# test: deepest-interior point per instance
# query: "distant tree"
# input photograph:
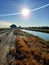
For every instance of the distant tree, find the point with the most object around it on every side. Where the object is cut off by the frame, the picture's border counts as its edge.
(19, 26)
(13, 26)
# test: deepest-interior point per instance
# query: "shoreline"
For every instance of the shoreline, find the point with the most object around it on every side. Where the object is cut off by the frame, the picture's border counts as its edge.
(44, 31)
(47, 41)
(37, 37)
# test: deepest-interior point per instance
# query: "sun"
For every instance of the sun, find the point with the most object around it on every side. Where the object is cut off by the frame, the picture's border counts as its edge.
(25, 12)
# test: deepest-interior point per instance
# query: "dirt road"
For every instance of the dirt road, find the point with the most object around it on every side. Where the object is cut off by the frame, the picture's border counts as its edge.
(8, 40)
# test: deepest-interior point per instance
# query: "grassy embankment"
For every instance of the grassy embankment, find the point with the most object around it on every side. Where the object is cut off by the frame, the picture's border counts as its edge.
(37, 37)
(28, 50)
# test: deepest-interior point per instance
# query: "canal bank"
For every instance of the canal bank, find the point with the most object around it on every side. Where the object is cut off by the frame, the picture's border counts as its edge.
(42, 35)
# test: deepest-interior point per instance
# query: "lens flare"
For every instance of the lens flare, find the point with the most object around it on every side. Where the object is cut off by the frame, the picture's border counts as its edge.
(25, 12)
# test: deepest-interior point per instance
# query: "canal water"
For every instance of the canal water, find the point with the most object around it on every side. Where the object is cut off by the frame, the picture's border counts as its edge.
(36, 33)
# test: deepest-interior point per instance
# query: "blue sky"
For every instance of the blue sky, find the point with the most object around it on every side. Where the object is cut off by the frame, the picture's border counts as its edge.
(36, 18)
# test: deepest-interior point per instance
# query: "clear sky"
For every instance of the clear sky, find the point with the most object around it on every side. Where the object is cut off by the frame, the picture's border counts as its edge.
(36, 18)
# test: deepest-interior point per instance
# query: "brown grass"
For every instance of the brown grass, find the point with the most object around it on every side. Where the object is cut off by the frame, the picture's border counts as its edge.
(33, 55)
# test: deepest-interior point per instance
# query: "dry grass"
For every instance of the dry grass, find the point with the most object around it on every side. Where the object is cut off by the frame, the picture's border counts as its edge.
(36, 54)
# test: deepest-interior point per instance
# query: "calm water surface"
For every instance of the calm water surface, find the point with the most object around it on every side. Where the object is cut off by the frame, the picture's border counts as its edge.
(40, 34)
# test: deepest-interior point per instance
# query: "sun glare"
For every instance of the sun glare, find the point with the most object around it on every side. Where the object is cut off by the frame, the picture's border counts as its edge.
(25, 12)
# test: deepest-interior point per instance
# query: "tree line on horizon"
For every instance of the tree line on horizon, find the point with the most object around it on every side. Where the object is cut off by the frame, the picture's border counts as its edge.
(42, 27)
